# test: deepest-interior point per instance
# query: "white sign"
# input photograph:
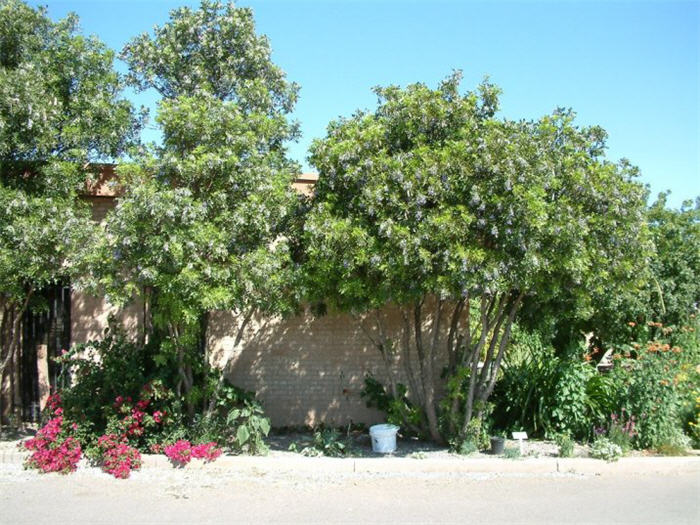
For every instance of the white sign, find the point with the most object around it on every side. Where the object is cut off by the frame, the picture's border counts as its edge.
(520, 436)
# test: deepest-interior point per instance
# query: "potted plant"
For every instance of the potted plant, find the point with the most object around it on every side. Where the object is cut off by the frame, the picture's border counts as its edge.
(498, 444)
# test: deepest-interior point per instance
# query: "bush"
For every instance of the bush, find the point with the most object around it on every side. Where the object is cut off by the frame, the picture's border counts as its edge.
(565, 444)
(400, 411)
(124, 389)
(107, 386)
(54, 448)
(544, 393)
(182, 452)
(657, 384)
(605, 449)
(326, 442)
(236, 421)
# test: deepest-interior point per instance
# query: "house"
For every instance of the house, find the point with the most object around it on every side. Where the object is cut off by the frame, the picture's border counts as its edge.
(305, 369)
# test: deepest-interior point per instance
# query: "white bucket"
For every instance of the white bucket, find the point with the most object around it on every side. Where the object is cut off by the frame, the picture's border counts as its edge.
(383, 438)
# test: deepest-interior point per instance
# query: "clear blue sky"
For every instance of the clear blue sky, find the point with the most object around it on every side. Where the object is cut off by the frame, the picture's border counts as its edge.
(629, 66)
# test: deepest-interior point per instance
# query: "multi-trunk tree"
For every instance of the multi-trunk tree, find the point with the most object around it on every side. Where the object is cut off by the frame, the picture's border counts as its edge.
(201, 224)
(435, 207)
(60, 112)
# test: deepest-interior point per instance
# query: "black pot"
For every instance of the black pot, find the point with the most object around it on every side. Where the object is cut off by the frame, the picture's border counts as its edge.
(498, 445)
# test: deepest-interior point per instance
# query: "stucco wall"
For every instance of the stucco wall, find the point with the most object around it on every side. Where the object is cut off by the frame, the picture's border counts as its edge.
(89, 317)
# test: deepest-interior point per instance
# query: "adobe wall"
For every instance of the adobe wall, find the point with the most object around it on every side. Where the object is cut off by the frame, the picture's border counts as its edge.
(89, 317)
(305, 370)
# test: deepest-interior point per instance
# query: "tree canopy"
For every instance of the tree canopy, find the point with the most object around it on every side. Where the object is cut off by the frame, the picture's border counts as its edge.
(432, 196)
(60, 110)
(201, 225)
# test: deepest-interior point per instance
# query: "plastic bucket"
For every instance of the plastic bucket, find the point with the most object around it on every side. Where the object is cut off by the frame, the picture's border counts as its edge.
(383, 438)
(498, 445)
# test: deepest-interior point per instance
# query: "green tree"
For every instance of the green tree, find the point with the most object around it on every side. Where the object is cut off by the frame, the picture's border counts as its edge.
(674, 292)
(434, 206)
(60, 111)
(201, 225)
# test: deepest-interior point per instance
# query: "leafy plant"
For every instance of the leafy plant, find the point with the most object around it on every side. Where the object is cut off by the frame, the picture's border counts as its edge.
(399, 410)
(545, 393)
(565, 444)
(603, 448)
(326, 442)
(251, 428)
(657, 381)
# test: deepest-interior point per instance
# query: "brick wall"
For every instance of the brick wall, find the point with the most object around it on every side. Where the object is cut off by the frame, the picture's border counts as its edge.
(306, 370)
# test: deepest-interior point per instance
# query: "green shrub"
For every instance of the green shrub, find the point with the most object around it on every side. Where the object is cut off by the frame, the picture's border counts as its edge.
(658, 385)
(544, 393)
(400, 411)
(235, 420)
(465, 448)
(105, 381)
(511, 453)
(326, 442)
(565, 444)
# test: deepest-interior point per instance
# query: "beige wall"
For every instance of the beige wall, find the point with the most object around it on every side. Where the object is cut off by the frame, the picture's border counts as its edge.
(304, 370)
(307, 370)
(89, 317)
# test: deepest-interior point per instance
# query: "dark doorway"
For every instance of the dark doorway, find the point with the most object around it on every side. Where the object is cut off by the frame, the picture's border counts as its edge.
(48, 324)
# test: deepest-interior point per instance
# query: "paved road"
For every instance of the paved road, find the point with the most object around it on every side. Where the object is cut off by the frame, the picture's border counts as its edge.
(171, 496)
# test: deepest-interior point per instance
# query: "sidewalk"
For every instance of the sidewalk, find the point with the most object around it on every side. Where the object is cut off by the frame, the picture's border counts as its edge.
(288, 462)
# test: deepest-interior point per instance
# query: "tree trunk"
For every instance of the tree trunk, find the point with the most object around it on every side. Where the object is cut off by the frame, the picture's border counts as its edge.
(427, 376)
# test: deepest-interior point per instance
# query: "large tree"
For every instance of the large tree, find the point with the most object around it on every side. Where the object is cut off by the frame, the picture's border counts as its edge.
(433, 206)
(60, 111)
(200, 224)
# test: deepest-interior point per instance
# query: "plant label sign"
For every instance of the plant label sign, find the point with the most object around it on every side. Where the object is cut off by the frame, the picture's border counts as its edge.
(520, 436)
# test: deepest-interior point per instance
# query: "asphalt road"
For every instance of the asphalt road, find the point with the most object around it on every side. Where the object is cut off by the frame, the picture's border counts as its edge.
(172, 496)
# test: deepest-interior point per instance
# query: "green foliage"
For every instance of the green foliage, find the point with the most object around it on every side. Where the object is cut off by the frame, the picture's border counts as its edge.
(399, 411)
(674, 291)
(511, 453)
(657, 382)
(431, 197)
(603, 448)
(475, 437)
(565, 444)
(465, 448)
(60, 110)
(97, 373)
(543, 393)
(251, 428)
(59, 100)
(238, 423)
(109, 377)
(204, 221)
(326, 442)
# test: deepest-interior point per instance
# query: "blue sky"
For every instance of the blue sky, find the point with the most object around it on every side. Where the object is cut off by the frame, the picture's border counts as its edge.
(630, 66)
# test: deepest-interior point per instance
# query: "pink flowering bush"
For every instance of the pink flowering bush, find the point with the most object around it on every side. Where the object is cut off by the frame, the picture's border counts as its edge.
(182, 451)
(53, 448)
(118, 458)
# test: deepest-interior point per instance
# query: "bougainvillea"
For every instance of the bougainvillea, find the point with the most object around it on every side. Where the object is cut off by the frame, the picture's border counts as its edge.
(118, 458)
(182, 451)
(53, 448)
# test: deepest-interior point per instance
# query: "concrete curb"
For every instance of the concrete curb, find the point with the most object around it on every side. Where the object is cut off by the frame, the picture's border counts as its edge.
(292, 463)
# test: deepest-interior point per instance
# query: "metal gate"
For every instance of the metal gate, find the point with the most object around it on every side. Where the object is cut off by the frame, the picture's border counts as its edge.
(49, 325)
